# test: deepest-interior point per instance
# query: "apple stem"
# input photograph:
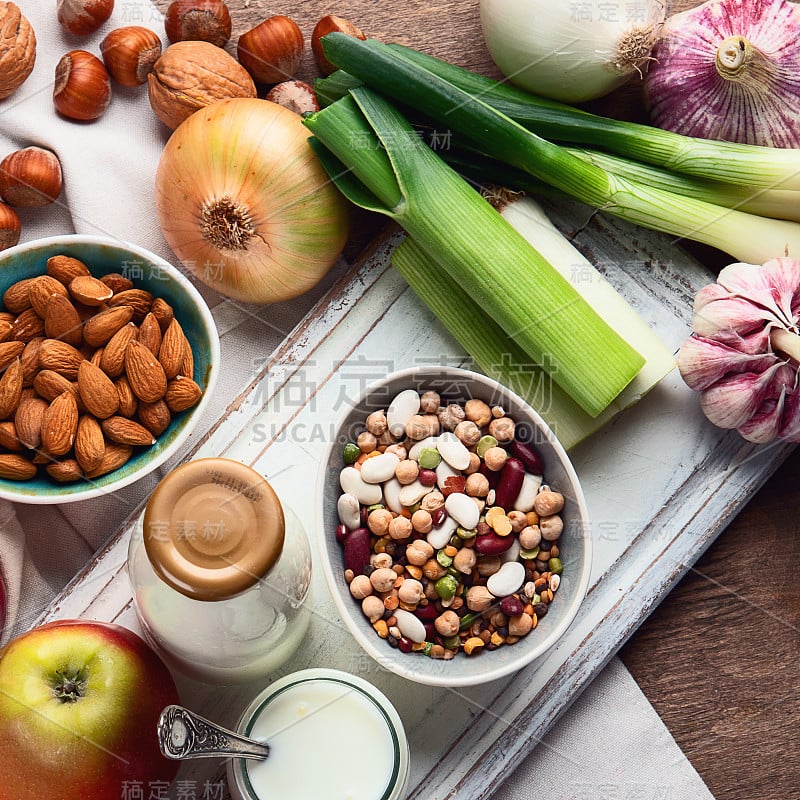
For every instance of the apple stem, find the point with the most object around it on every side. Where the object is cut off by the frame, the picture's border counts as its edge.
(70, 688)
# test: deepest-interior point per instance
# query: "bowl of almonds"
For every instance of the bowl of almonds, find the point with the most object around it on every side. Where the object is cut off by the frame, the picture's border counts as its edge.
(108, 356)
(453, 528)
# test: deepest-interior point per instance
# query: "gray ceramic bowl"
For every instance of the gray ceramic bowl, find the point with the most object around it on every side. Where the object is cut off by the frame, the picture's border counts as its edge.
(148, 271)
(575, 543)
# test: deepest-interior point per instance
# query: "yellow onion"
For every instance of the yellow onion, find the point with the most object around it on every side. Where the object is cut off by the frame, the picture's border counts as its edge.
(244, 203)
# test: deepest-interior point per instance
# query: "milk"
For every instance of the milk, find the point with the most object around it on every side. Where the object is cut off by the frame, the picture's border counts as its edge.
(332, 737)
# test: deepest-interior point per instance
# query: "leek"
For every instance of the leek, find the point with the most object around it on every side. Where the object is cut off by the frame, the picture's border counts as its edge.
(499, 356)
(747, 237)
(376, 159)
(746, 165)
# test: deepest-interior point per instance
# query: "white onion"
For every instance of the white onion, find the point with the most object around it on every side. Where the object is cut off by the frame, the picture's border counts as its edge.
(571, 52)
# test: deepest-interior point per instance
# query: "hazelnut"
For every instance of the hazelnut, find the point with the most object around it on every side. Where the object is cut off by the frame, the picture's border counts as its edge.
(130, 53)
(82, 89)
(30, 177)
(326, 25)
(271, 51)
(10, 227)
(297, 96)
(192, 75)
(198, 20)
(17, 49)
(82, 17)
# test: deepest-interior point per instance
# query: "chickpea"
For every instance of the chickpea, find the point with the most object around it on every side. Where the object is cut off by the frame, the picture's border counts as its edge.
(376, 423)
(398, 450)
(450, 416)
(378, 521)
(498, 411)
(474, 464)
(479, 598)
(488, 565)
(520, 625)
(498, 619)
(530, 537)
(433, 570)
(381, 561)
(367, 442)
(410, 592)
(361, 587)
(468, 432)
(548, 502)
(421, 426)
(386, 439)
(400, 529)
(477, 485)
(478, 412)
(421, 521)
(373, 608)
(495, 458)
(433, 501)
(382, 580)
(551, 527)
(502, 429)
(518, 519)
(464, 560)
(429, 402)
(406, 471)
(447, 623)
(418, 552)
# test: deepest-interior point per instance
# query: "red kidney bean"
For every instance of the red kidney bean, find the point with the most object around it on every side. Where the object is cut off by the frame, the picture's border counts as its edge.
(357, 550)
(490, 544)
(528, 456)
(427, 477)
(364, 516)
(439, 516)
(510, 483)
(342, 532)
(426, 613)
(491, 475)
(512, 606)
(405, 645)
(430, 632)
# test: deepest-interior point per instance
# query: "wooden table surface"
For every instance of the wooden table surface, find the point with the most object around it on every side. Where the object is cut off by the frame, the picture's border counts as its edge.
(720, 657)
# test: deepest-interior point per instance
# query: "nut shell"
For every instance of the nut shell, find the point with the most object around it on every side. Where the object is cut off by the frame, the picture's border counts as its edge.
(82, 89)
(271, 52)
(82, 17)
(130, 53)
(198, 20)
(17, 49)
(30, 177)
(331, 24)
(192, 75)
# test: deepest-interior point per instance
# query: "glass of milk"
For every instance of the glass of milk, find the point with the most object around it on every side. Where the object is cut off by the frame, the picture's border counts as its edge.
(331, 735)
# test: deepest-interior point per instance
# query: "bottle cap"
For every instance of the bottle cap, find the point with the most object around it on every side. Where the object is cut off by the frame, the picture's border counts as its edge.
(213, 528)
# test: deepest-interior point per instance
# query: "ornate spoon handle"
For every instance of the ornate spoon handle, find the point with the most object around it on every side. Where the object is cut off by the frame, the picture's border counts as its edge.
(183, 734)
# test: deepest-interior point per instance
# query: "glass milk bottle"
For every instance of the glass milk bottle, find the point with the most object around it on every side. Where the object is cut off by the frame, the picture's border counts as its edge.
(220, 572)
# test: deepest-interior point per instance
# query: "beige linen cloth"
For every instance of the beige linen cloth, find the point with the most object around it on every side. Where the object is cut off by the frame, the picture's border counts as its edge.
(610, 745)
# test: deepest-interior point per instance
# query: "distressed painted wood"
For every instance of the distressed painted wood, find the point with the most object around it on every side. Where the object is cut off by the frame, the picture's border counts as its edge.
(651, 516)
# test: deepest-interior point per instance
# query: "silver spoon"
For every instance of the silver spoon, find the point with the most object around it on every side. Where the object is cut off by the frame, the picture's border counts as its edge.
(184, 734)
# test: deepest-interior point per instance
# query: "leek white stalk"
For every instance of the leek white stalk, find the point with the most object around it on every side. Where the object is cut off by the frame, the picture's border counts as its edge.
(570, 51)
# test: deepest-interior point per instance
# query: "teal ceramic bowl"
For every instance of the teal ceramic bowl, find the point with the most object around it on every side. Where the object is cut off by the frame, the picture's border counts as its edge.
(147, 271)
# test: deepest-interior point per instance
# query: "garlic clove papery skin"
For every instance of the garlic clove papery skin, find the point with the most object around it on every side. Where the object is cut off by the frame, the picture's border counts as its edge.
(730, 315)
(765, 424)
(703, 362)
(570, 52)
(731, 402)
(729, 69)
(773, 286)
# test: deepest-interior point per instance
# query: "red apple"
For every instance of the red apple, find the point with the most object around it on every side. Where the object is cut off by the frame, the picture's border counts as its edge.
(79, 706)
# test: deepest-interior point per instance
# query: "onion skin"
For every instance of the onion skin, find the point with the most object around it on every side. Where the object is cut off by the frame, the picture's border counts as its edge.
(729, 70)
(251, 157)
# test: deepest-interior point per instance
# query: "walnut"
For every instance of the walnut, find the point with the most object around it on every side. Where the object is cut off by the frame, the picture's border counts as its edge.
(192, 75)
(17, 49)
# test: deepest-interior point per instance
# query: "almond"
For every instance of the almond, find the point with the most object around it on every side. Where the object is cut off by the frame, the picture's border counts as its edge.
(16, 468)
(117, 282)
(6, 329)
(30, 360)
(60, 357)
(8, 436)
(182, 393)
(66, 471)
(163, 312)
(60, 424)
(50, 384)
(172, 349)
(9, 351)
(28, 421)
(155, 417)
(127, 399)
(99, 329)
(10, 389)
(150, 333)
(137, 299)
(126, 431)
(97, 390)
(65, 269)
(89, 290)
(7, 316)
(90, 445)
(144, 372)
(17, 297)
(187, 366)
(61, 320)
(41, 289)
(28, 325)
(114, 457)
(113, 360)
(97, 357)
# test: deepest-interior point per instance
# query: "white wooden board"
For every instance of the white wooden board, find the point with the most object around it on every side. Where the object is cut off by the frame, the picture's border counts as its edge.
(660, 483)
